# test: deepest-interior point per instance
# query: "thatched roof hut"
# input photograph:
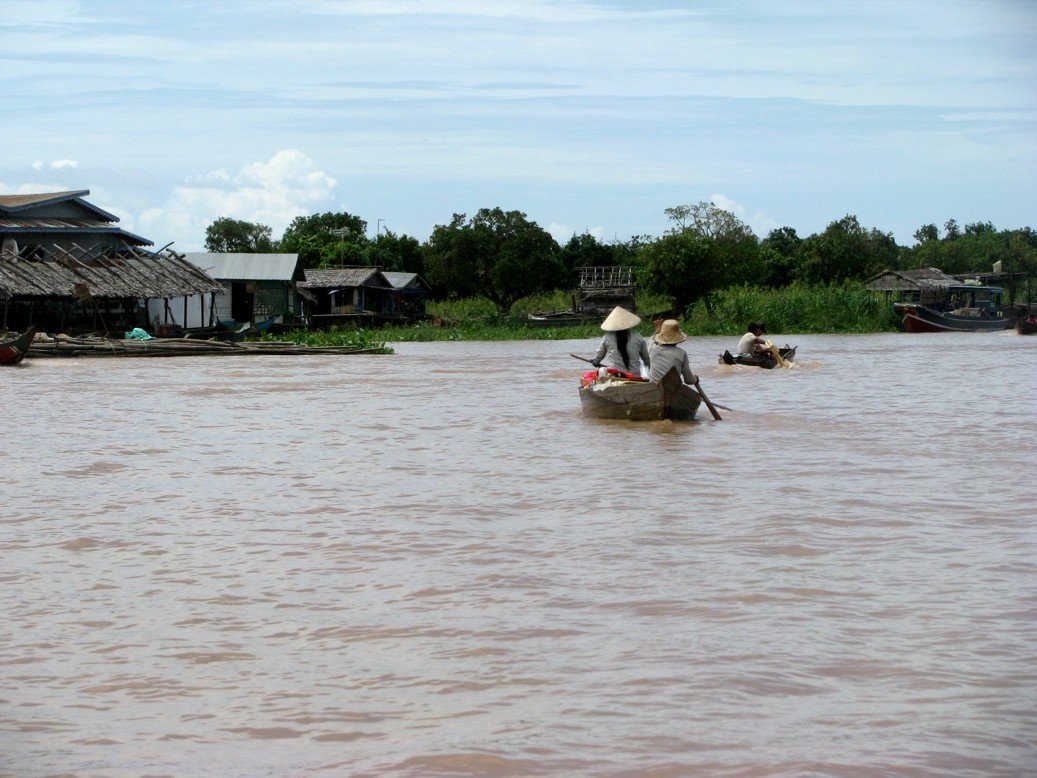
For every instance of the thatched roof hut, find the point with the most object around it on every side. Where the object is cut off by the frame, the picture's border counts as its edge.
(924, 285)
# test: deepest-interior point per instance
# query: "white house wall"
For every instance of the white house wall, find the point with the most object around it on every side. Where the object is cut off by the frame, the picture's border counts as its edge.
(197, 310)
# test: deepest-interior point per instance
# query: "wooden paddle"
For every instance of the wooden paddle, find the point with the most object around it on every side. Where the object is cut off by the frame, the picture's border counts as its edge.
(698, 388)
(712, 408)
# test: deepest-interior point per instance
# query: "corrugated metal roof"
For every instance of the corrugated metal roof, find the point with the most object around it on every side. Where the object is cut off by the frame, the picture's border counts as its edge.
(20, 201)
(54, 226)
(152, 276)
(403, 280)
(26, 202)
(319, 278)
(246, 267)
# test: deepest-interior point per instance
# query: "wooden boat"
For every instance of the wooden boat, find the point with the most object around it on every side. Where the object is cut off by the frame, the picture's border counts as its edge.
(13, 351)
(561, 319)
(1026, 325)
(614, 398)
(766, 361)
(970, 308)
(920, 318)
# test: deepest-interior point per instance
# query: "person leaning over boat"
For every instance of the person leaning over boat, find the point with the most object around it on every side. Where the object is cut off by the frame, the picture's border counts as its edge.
(667, 354)
(751, 342)
(621, 346)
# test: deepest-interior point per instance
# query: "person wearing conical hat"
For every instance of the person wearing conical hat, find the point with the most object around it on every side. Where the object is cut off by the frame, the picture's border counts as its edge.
(622, 347)
(666, 353)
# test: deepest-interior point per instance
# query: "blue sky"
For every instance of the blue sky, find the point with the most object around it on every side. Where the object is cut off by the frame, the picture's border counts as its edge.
(587, 116)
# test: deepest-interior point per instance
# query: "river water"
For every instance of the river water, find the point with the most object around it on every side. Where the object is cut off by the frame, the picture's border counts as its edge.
(431, 564)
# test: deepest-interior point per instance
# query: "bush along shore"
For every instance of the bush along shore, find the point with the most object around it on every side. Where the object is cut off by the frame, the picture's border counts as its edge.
(799, 308)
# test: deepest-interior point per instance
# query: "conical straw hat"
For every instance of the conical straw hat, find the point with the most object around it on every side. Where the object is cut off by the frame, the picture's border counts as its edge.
(620, 319)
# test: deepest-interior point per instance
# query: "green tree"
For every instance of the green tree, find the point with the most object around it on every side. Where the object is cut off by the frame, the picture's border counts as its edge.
(498, 254)
(390, 251)
(779, 257)
(327, 239)
(846, 250)
(583, 251)
(226, 235)
(927, 233)
(708, 249)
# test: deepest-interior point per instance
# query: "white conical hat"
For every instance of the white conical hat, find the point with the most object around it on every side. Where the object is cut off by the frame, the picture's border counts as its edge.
(620, 319)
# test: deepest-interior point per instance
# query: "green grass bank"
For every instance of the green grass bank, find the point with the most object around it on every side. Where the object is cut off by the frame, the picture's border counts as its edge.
(836, 308)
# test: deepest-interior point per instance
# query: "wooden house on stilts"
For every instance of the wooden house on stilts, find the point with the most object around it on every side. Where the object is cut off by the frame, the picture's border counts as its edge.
(65, 266)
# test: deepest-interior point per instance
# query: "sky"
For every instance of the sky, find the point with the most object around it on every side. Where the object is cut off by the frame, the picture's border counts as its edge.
(588, 116)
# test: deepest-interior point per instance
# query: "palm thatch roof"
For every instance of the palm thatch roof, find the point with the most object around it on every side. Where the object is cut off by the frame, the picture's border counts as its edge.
(135, 273)
(926, 279)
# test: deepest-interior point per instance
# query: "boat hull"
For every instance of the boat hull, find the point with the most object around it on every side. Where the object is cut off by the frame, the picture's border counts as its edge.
(641, 400)
(767, 362)
(919, 318)
(1026, 326)
(13, 351)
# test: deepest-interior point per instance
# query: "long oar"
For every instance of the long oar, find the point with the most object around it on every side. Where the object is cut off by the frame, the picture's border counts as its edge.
(698, 387)
(712, 408)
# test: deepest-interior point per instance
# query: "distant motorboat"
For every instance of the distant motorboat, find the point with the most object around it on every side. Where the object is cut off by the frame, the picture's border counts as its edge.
(971, 308)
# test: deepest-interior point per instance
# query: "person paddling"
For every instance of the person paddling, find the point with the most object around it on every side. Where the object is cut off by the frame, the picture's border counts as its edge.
(667, 354)
(622, 347)
(752, 342)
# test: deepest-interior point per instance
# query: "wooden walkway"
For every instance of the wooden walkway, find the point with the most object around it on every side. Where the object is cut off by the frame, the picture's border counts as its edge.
(65, 346)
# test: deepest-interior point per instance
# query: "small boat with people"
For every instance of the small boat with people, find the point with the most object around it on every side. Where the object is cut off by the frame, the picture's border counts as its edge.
(1026, 324)
(970, 307)
(766, 359)
(618, 390)
(13, 351)
(624, 396)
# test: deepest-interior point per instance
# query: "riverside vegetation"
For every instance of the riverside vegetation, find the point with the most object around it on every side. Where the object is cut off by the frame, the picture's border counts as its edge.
(798, 308)
(487, 272)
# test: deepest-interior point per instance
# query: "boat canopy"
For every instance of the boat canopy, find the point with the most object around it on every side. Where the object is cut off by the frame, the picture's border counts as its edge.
(983, 298)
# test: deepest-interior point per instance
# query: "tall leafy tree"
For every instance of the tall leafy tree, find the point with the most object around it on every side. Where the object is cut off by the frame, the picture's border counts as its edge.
(327, 239)
(779, 255)
(846, 250)
(707, 249)
(226, 235)
(584, 251)
(390, 251)
(498, 254)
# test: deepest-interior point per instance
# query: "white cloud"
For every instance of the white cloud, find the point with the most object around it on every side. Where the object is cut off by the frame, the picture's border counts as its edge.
(37, 188)
(270, 193)
(760, 223)
(57, 164)
(562, 233)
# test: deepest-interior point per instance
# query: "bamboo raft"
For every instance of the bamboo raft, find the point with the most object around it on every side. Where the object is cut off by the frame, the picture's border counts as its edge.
(66, 346)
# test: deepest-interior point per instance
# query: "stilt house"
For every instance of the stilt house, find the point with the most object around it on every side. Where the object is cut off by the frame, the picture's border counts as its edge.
(65, 266)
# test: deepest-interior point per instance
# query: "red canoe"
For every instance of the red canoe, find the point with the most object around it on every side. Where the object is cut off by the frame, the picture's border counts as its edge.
(13, 351)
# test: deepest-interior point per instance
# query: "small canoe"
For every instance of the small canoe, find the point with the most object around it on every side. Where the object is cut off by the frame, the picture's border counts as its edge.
(614, 398)
(13, 351)
(1026, 325)
(766, 361)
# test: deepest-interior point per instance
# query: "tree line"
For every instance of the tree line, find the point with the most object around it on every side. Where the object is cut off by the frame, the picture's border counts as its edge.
(504, 257)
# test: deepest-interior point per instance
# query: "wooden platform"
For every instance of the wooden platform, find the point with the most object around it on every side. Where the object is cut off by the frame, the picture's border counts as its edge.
(65, 346)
